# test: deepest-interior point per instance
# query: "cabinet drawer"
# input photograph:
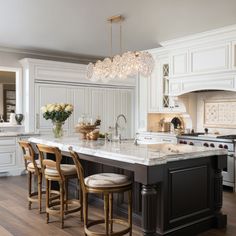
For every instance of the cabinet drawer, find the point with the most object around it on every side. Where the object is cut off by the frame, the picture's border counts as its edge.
(7, 157)
(7, 141)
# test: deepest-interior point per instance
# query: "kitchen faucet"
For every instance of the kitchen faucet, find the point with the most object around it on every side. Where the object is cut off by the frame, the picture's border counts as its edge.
(117, 125)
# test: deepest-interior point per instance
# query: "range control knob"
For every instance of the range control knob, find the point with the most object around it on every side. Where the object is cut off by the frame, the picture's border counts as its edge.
(212, 145)
(184, 142)
(226, 147)
(206, 145)
(220, 146)
(181, 142)
(191, 143)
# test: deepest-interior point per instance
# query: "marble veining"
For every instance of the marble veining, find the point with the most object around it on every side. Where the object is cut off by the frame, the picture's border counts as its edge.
(154, 154)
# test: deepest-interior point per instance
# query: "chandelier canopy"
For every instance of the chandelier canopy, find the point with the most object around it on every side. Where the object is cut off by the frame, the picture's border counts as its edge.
(121, 66)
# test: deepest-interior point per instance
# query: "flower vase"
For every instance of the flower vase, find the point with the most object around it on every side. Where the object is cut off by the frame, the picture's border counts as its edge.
(57, 129)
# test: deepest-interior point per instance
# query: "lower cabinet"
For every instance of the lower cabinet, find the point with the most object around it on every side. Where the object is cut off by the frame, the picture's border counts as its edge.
(155, 138)
(11, 160)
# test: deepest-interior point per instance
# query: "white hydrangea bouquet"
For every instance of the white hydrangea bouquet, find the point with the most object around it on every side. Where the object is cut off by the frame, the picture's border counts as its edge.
(58, 113)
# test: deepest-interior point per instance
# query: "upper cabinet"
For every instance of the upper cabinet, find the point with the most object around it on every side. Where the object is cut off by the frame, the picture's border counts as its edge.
(179, 63)
(198, 60)
(202, 61)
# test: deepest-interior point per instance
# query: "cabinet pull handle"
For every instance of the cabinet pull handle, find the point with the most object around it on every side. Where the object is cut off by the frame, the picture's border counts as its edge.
(37, 121)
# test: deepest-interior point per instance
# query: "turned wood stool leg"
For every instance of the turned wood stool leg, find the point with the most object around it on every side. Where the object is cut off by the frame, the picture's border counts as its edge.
(62, 192)
(40, 192)
(29, 188)
(66, 192)
(80, 194)
(111, 211)
(85, 210)
(106, 212)
(130, 202)
(47, 199)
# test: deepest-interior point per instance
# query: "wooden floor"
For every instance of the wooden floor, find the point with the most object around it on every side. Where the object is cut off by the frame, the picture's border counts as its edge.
(17, 220)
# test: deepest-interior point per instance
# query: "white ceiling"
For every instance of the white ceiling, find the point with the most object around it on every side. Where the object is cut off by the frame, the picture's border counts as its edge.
(80, 26)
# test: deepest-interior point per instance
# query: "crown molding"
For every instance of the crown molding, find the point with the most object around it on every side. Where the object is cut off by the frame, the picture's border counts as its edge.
(53, 55)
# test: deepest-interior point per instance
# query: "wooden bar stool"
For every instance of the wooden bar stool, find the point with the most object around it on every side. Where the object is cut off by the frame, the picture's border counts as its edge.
(106, 184)
(34, 168)
(55, 171)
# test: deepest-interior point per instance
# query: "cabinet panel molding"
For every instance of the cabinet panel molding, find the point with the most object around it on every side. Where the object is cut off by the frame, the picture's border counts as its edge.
(210, 59)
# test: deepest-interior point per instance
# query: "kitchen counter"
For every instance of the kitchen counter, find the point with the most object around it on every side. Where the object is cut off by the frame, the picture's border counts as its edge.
(177, 188)
(15, 134)
(126, 151)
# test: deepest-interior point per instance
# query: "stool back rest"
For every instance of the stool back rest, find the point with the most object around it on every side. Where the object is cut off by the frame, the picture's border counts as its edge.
(79, 168)
(47, 163)
(28, 154)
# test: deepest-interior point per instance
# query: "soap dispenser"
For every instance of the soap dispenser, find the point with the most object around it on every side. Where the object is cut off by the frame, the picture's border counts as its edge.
(12, 119)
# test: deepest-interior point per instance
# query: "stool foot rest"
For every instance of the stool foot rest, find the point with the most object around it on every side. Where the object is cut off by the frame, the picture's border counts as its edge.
(111, 221)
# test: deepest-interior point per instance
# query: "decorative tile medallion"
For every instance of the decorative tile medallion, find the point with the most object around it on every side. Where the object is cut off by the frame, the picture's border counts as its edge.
(220, 113)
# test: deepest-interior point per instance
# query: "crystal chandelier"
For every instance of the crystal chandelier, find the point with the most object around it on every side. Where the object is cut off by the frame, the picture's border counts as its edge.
(121, 66)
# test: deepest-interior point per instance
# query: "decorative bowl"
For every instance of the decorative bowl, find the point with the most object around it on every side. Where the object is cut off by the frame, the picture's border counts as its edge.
(84, 129)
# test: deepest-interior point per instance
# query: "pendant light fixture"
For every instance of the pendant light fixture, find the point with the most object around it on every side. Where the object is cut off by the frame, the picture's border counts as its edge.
(120, 66)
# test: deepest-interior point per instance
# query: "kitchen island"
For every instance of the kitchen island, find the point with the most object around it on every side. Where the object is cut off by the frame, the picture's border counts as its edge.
(177, 188)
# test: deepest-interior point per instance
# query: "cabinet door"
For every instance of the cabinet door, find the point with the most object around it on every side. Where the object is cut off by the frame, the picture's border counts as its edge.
(142, 103)
(49, 93)
(210, 59)
(179, 63)
(154, 89)
(79, 98)
(7, 158)
(127, 109)
(97, 106)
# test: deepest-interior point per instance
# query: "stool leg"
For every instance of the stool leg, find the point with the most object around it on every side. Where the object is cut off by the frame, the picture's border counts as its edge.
(29, 188)
(62, 192)
(40, 192)
(130, 202)
(47, 199)
(66, 192)
(106, 212)
(85, 209)
(81, 202)
(111, 211)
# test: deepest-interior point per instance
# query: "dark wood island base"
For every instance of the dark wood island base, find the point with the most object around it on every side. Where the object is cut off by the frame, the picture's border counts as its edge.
(182, 197)
(177, 195)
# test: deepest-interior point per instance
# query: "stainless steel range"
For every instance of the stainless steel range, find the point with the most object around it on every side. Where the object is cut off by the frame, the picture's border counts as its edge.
(214, 141)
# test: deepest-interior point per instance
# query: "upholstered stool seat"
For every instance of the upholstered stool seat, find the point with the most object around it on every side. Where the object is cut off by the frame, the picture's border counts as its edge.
(106, 180)
(30, 166)
(65, 169)
(105, 184)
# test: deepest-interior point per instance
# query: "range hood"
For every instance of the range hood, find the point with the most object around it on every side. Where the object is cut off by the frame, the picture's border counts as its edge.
(219, 81)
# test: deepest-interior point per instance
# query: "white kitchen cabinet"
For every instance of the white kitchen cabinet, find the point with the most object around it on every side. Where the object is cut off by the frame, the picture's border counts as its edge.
(154, 85)
(155, 138)
(79, 98)
(208, 59)
(103, 102)
(108, 103)
(179, 63)
(10, 156)
(45, 94)
(142, 103)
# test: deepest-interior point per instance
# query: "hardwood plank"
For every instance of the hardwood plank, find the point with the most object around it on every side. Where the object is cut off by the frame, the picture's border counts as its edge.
(17, 220)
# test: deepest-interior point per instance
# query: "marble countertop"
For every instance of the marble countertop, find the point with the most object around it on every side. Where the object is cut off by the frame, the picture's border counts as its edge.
(157, 133)
(15, 134)
(154, 154)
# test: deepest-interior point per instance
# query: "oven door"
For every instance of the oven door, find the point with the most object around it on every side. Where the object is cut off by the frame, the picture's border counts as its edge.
(228, 172)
